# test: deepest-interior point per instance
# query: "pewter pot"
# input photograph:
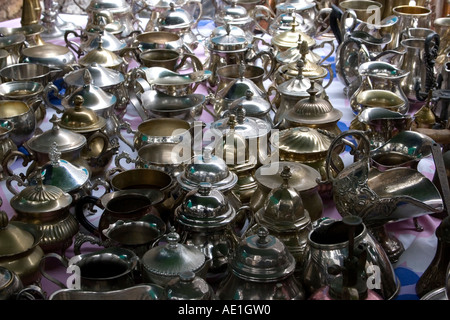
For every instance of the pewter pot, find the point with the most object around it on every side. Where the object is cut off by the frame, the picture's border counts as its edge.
(46, 207)
(208, 222)
(328, 245)
(261, 268)
(29, 92)
(169, 258)
(102, 270)
(23, 253)
(126, 205)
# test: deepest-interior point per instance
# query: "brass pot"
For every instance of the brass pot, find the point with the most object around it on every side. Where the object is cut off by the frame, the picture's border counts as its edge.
(261, 268)
(99, 150)
(29, 92)
(50, 55)
(146, 179)
(165, 261)
(303, 180)
(6, 145)
(69, 143)
(20, 251)
(23, 117)
(47, 207)
(167, 130)
(166, 157)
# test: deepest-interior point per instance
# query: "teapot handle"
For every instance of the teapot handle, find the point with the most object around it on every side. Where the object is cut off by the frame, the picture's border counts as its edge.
(323, 44)
(196, 63)
(50, 88)
(323, 21)
(266, 14)
(249, 222)
(198, 4)
(74, 46)
(360, 151)
(126, 156)
(81, 238)
(44, 273)
(96, 135)
(9, 156)
(19, 180)
(81, 217)
(330, 73)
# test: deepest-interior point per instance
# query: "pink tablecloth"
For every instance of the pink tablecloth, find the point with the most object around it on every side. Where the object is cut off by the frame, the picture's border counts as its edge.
(420, 247)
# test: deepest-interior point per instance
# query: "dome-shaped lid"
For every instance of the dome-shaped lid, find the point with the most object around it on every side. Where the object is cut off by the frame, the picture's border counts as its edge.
(299, 84)
(80, 118)
(233, 14)
(62, 173)
(163, 4)
(99, 76)
(175, 18)
(114, 6)
(262, 258)
(228, 42)
(234, 31)
(207, 168)
(11, 40)
(101, 56)
(13, 238)
(205, 208)
(66, 140)
(94, 97)
(291, 37)
(188, 286)
(173, 258)
(41, 198)
(109, 41)
(283, 209)
(298, 5)
(303, 177)
(247, 127)
(254, 106)
(313, 110)
(302, 140)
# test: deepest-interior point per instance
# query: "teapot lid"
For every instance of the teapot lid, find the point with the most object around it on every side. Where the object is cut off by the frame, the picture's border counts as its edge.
(173, 258)
(205, 208)
(255, 106)
(101, 56)
(94, 97)
(61, 173)
(14, 239)
(290, 38)
(228, 42)
(303, 177)
(283, 209)
(40, 198)
(263, 258)
(66, 140)
(81, 119)
(233, 14)
(298, 5)
(188, 286)
(313, 110)
(207, 167)
(247, 127)
(303, 140)
(113, 6)
(175, 18)
(11, 40)
(299, 84)
(100, 76)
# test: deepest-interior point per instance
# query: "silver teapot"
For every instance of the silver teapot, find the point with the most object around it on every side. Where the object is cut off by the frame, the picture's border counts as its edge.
(261, 268)
(207, 221)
